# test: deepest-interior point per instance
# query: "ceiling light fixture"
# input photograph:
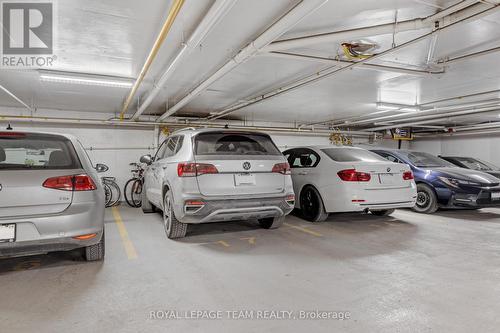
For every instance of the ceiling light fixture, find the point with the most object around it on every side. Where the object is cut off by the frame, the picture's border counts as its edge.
(86, 79)
(397, 107)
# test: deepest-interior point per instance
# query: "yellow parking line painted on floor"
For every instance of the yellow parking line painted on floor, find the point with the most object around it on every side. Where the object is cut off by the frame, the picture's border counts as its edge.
(251, 240)
(127, 243)
(307, 231)
(223, 243)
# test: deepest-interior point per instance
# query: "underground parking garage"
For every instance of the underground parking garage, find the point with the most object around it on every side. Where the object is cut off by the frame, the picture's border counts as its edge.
(237, 165)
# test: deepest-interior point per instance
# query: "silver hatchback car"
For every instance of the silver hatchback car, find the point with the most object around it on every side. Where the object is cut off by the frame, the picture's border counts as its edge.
(51, 198)
(207, 175)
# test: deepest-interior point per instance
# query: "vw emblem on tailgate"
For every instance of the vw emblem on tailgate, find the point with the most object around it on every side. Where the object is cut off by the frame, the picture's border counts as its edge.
(247, 165)
(388, 169)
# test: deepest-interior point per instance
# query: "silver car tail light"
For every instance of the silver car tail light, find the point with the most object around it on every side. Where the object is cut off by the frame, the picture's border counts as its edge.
(195, 169)
(75, 183)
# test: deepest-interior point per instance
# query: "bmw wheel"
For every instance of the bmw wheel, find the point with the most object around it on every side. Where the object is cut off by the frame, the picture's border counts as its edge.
(426, 200)
(173, 228)
(311, 205)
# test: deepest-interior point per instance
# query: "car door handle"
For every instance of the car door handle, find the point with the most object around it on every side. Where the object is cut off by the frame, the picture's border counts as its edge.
(303, 173)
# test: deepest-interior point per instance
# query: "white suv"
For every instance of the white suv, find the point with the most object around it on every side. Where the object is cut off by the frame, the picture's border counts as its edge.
(208, 175)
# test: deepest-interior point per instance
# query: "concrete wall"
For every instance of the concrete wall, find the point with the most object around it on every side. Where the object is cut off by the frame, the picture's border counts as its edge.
(485, 147)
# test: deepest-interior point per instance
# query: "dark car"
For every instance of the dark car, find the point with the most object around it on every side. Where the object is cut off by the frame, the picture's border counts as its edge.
(441, 184)
(474, 164)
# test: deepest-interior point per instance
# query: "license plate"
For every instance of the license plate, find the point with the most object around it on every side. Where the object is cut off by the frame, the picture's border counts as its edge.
(244, 179)
(387, 178)
(495, 196)
(7, 233)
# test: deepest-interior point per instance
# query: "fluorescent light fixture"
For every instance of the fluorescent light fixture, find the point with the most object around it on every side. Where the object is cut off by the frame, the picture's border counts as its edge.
(397, 107)
(86, 79)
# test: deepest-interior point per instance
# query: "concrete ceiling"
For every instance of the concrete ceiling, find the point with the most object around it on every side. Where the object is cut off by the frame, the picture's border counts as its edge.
(113, 37)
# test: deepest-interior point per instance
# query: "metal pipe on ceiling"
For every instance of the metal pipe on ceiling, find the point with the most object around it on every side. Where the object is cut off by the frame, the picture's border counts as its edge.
(218, 10)
(333, 70)
(152, 124)
(285, 23)
(464, 133)
(418, 114)
(462, 9)
(174, 11)
(435, 118)
(17, 99)
(360, 119)
(468, 56)
(384, 68)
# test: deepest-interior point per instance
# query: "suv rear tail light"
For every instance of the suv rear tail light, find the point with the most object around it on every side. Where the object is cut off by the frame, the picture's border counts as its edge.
(408, 175)
(70, 183)
(195, 169)
(283, 168)
(351, 175)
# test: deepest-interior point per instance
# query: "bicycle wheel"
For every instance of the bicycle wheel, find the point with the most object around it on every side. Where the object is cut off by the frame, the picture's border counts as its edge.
(108, 195)
(132, 192)
(116, 193)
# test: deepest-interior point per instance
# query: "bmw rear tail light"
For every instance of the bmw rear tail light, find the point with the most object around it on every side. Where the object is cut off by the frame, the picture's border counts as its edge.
(408, 175)
(70, 183)
(195, 169)
(351, 175)
(283, 168)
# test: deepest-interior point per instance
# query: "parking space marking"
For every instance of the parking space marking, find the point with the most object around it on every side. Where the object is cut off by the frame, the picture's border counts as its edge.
(307, 231)
(251, 240)
(127, 243)
(223, 243)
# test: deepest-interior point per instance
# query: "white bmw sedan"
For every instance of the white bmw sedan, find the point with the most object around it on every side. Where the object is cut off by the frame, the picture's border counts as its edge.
(331, 179)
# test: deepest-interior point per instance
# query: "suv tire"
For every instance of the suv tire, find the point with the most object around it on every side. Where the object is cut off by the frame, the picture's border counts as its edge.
(173, 227)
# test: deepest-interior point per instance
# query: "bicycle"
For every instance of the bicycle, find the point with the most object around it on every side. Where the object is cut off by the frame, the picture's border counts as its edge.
(133, 187)
(112, 191)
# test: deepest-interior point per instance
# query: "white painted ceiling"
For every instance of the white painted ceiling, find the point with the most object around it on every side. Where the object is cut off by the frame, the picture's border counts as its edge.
(113, 37)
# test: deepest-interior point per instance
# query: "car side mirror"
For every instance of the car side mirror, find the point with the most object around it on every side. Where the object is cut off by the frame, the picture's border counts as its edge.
(146, 159)
(101, 168)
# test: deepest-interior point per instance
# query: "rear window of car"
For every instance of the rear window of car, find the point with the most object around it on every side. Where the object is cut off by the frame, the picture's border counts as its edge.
(20, 151)
(426, 160)
(352, 155)
(223, 143)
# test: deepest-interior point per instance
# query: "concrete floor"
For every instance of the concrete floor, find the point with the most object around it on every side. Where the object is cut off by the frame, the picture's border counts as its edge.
(403, 273)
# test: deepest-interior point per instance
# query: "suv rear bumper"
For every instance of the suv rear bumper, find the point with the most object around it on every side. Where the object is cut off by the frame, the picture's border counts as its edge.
(235, 209)
(48, 233)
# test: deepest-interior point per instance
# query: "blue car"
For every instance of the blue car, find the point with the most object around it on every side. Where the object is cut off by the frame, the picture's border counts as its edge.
(441, 184)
